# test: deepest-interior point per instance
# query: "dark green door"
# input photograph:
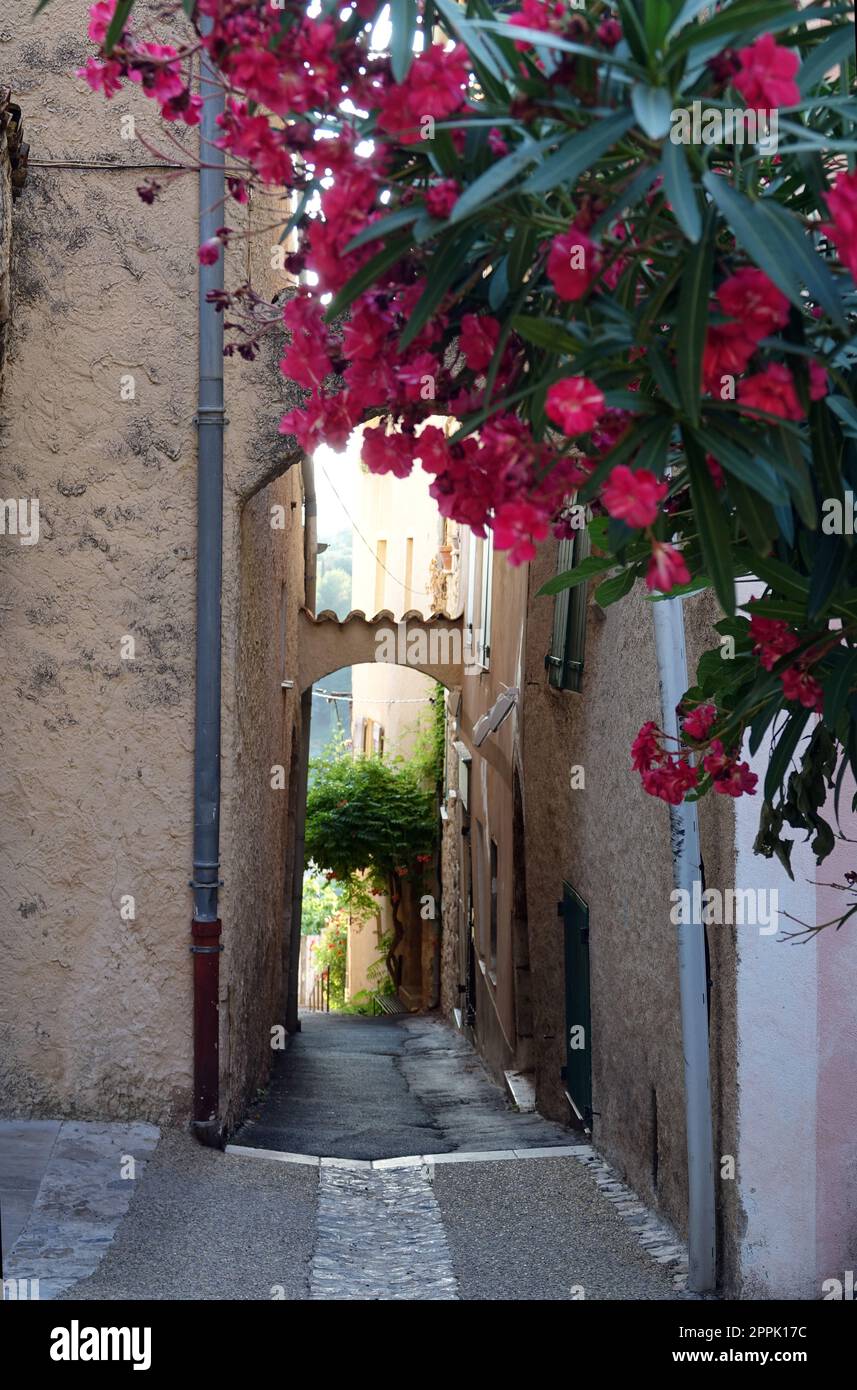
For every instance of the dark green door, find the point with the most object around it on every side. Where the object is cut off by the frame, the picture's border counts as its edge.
(578, 1032)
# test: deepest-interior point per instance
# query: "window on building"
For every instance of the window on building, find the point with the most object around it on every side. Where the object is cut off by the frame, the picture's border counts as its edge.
(492, 951)
(564, 661)
(477, 612)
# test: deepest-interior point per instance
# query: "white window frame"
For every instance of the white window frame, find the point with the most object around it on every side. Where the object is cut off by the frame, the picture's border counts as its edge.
(480, 577)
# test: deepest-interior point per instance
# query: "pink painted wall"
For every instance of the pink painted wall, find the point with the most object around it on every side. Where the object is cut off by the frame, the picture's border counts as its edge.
(836, 1166)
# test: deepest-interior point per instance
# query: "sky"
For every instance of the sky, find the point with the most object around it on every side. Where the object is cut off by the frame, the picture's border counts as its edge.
(336, 473)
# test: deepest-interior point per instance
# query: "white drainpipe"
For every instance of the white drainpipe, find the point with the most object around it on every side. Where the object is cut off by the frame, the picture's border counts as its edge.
(693, 979)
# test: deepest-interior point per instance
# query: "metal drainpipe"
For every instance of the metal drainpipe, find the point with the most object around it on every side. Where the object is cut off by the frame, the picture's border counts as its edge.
(693, 977)
(206, 927)
(300, 792)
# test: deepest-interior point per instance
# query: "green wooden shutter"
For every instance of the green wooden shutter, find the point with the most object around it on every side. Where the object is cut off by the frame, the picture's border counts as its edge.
(578, 1018)
(564, 661)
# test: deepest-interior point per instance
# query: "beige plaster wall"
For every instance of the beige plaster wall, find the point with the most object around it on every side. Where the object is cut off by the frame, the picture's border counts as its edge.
(491, 813)
(393, 510)
(611, 842)
(95, 1013)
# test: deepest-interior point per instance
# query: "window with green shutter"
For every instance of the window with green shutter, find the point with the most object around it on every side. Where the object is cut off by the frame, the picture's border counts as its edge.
(564, 661)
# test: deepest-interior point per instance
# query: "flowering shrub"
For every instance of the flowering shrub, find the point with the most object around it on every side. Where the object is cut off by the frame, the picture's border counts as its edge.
(331, 954)
(369, 823)
(616, 246)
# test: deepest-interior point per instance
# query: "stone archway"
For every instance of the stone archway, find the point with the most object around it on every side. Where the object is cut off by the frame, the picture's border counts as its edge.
(433, 646)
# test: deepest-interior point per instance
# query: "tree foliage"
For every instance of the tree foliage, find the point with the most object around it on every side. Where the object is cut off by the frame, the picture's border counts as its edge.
(604, 301)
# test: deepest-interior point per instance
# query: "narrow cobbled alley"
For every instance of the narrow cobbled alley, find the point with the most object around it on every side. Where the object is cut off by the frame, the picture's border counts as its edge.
(383, 1163)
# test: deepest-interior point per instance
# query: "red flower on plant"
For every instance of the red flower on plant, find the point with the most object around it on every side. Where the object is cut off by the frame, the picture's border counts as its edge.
(772, 639)
(697, 724)
(634, 498)
(575, 404)
(804, 689)
(842, 229)
(478, 339)
(728, 776)
(766, 76)
(755, 302)
(667, 568)
(609, 32)
(209, 251)
(517, 526)
(670, 780)
(574, 261)
(772, 391)
(442, 197)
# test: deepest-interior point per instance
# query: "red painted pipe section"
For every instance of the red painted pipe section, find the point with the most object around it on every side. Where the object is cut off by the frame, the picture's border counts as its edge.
(206, 951)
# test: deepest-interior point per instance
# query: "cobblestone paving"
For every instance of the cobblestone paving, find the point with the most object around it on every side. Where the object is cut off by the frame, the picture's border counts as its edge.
(83, 1196)
(380, 1236)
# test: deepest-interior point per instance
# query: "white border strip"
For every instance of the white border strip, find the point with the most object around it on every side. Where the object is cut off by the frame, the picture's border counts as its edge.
(410, 1160)
(658, 1240)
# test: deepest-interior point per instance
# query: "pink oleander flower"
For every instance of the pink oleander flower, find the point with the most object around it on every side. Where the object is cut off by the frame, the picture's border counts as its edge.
(715, 471)
(478, 339)
(772, 391)
(442, 197)
(819, 382)
(187, 107)
(697, 724)
(306, 362)
(434, 87)
(804, 689)
(102, 77)
(766, 77)
(209, 251)
(387, 453)
(548, 16)
(671, 780)
(728, 776)
(100, 16)
(575, 404)
(609, 32)
(517, 526)
(842, 229)
(726, 354)
(667, 568)
(772, 639)
(646, 748)
(574, 262)
(634, 498)
(755, 302)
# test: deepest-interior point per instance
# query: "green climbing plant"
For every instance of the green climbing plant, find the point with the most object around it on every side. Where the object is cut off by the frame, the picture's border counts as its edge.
(369, 825)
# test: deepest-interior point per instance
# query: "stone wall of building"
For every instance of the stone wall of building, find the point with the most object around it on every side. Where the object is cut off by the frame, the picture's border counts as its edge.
(611, 843)
(97, 773)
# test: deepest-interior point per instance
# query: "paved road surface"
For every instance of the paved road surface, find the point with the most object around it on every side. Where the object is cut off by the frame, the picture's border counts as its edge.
(205, 1225)
(351, 1087)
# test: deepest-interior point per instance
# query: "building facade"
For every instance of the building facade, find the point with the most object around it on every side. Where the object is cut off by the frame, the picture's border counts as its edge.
(560, 948)
(97, 623)
(395, 549)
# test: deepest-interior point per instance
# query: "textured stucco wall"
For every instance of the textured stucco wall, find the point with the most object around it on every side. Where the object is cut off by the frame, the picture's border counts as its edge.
(256, 899)
(611, 843)
(95, 1012)
(5, 244)
(491, 809)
